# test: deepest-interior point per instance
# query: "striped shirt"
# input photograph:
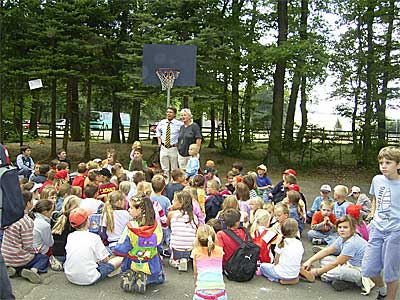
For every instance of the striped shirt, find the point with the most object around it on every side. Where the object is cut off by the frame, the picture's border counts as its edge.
(183, 234)
(17, 248)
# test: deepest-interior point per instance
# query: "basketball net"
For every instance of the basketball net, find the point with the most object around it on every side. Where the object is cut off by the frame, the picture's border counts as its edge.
(167, 77)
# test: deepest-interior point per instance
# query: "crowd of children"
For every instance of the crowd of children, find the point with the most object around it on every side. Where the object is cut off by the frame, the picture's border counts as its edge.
(105, 220)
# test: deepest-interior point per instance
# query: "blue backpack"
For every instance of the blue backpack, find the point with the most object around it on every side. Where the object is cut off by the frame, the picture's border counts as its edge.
(12, 203)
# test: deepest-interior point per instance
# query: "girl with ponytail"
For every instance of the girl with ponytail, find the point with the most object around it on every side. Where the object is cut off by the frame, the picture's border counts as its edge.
(207, 266)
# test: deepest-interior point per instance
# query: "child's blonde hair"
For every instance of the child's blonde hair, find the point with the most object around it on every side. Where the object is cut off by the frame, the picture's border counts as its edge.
(282, 208)
(230, 202)
(269, 206)
(69, 204)
(109, 207)
(137, 145)
(261, 218)
(257, 202)
(49, 192)
(294, 198)
(193, 191)
(205, 237)
(195, 147)
(125, 187)
(213, 184)
(145, 188)
(289, 229)
(390, 153)
(326, 203)
(341, 190)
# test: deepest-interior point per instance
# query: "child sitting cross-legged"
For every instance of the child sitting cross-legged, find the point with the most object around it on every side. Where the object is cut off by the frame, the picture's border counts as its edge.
(289, 253)
(323, 229)
(139, 245)
(88, 259)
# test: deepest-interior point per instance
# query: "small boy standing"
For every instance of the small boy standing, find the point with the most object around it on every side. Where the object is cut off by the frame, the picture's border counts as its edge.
(383, 245)
(193, 165)
(323, 230)
(339, 194)
(87, 258)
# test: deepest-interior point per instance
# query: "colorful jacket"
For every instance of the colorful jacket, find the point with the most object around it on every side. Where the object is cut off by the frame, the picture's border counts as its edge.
(139, 246)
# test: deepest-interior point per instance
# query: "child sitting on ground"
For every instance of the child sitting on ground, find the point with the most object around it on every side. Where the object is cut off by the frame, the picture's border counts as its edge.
(213, 201)
(18, 250)
(229, 181)
(243, 195)
(138, 245)
(178, 178)
(87, 259)
(362, 200)
(323, 228)
(278, 193)
(281, 213)
(193, 165)
(231, 202)
(105, 186)
(324, 194)
(361, 228)
(289, 254)
(264, 183)
(249, 181)
(183, 226)
(340, 194)
(263, 237)
(198, 182)
(79, 180)
(207, 266)
(296, 208)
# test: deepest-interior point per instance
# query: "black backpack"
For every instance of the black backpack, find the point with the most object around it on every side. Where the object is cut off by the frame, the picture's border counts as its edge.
(242, 265)
(12, 203)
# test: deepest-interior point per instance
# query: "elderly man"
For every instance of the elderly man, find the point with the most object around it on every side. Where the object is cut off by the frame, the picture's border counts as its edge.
(167, 134)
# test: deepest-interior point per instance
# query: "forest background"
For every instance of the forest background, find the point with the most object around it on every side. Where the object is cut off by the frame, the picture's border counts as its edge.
(257, 62)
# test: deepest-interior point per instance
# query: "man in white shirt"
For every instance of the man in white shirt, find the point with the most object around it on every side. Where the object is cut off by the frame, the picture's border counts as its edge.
(167, 134)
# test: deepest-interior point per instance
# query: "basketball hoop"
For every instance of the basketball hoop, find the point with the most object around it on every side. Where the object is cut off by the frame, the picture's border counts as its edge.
(167, 77)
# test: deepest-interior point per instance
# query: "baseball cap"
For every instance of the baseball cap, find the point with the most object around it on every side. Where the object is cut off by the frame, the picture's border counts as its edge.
(294, 187)
(290, 172)
(62, 174)
(210, 163)
(79, 215)
(97, 160)
(262, 167)
(326, 188)
(105, 172)
(209, 170)
(354, 210)
(354, 189)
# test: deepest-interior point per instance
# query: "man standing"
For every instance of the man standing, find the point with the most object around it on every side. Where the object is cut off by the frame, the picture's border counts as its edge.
(167, 134)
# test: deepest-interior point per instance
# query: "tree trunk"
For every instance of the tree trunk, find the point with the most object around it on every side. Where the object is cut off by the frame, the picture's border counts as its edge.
(275, 142)
(303, 108)
(115, 136)
(212, 119)
(75, 123)
(134, 124)
(68, 116)
(370, 83)
(87, 119)
(185, 101)
(226, 127)
(291, 109)
(33, 129)
(53, 149)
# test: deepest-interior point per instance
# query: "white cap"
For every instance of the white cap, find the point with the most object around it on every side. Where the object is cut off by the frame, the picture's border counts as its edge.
(354, 189)
(97, 160)
(326, 188)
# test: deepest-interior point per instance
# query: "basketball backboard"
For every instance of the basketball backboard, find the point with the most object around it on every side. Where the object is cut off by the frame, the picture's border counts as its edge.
(181, 57)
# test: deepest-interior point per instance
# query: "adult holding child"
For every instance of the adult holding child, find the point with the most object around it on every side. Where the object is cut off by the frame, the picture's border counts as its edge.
(167, 132)
(189, 134)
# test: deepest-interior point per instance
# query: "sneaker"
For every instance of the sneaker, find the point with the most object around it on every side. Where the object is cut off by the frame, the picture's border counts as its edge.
(174, 263)
(316, 249)
(307, 275)
(115, 272)
(381, 296)
(11, 272)
(183, 265)
(166, 253)
(141, 282)
(316, 241)
(341, 285)
(55, 264)
(32, 275)
(128, 281)
(289, 282)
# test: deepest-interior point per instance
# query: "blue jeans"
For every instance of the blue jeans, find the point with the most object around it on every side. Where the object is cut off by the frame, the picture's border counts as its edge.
(104, 269)
(268, 270)
(39, 262)
(5, 290)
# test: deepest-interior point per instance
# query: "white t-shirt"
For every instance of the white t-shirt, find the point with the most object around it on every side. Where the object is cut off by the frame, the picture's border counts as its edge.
(289, 258)
(121, 218)
(84, 249)
(91, 204)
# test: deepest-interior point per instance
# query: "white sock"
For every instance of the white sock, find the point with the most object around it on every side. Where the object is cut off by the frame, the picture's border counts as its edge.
(383, 290)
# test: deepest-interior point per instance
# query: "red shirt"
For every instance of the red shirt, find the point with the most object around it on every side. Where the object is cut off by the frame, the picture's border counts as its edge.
(318, 218)
(106, 188)
(228, 244)
(79, 181)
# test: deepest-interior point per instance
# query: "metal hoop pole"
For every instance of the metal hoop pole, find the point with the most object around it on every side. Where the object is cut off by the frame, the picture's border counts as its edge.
(168, 96)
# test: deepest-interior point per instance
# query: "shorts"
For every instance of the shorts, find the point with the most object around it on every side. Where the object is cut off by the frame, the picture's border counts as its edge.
(209, 294)
(104, 269)
(177, 254)
(382, 253)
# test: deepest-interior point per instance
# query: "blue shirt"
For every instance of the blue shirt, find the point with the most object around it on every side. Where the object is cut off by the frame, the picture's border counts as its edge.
(192, 167)
(164, 202)
(387, 199)
(340, 209)
(162, 129)
(263, 181)
(353, 247)
(317, 203)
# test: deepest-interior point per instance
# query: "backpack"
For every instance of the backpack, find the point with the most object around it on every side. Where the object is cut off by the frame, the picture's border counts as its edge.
(12, 203)
(242, 265)
(264, 241)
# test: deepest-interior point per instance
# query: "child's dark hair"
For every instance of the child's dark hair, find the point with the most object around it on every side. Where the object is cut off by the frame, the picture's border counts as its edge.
(137, 164)
(289, 229)
(198, 180)
(146, 206)
(294, 198)
(242, 191)
(185, 198)
(43, 169)
(51, 174)
(41, 206)
(23, 148)
(231, 216)
(65, 190)
(216, 224)
(176, 173)
(27, 197)
(138, 177)
(158, 183)
(206, 238)
(53, 163)
(62, 166)
(249, 181)
(237, 165)
(290, 179)
(82, 168)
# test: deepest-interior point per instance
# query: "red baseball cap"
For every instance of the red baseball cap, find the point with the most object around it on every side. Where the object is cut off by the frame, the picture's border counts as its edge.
(290, 172)
(61, 174)
(294, 187)
(79, 215)
(354, 211)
